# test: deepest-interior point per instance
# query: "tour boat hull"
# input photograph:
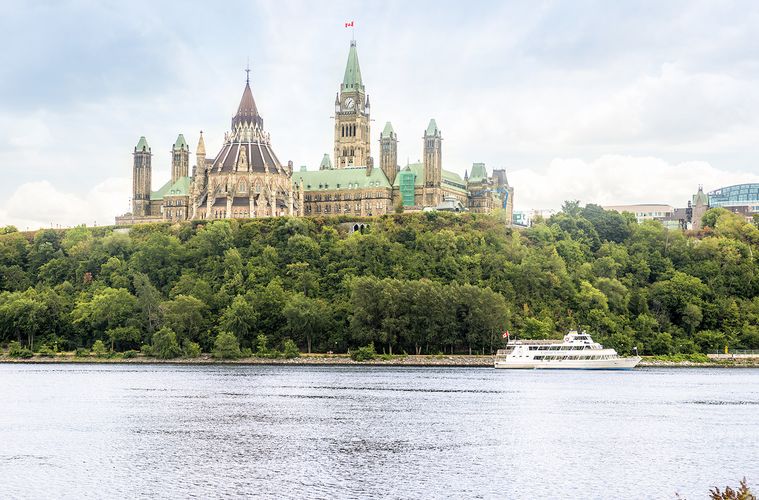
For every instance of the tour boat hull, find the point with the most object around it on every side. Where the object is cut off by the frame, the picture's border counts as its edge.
(570, 364)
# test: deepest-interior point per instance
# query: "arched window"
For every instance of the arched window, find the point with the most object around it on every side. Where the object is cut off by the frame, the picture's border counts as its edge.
(242, 187)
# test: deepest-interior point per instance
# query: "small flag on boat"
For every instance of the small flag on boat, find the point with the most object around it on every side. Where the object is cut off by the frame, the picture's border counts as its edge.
(349, 24)
(505, 334)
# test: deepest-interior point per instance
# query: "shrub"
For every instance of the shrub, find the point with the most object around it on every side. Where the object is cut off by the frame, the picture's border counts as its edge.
(99, 349)
(191, 349)
(226, 346)
(247, 352)
(46, 351)
(741, 493)
(262, 351)
(165, 345)
(81, 352)
(146, 350)
(131, 353)
(16, 350)
(365, 353)
(290, 350)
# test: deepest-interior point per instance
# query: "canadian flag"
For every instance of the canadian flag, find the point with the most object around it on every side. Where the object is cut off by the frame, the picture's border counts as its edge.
(349, 24)
(505, 334)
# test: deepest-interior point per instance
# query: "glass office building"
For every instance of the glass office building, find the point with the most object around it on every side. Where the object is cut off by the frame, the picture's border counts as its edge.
(741, 198)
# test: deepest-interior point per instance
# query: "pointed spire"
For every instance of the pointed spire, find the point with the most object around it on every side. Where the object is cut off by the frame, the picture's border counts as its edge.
(180, 143)
(142, 145)
(201, 151)
(352, 78)
(432, 129)
(326, 163)
(247, 110)
(387, 132)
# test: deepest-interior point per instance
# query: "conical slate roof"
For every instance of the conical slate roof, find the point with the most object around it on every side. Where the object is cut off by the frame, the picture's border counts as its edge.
(247, 110)
(247, 147)
(352, 78)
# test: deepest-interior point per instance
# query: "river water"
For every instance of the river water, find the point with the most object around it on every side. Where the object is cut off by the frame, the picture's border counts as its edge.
(160, 431)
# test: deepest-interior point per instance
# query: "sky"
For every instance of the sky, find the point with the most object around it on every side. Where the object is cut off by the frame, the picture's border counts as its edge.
(603, 102)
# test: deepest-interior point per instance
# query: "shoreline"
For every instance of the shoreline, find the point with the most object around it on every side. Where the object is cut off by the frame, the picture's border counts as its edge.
(456, 360)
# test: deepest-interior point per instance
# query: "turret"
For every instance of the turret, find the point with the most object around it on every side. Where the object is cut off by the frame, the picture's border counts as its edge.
(180, 159)
(432, 154)
(389, 152)
(141, 179)
(326, 163)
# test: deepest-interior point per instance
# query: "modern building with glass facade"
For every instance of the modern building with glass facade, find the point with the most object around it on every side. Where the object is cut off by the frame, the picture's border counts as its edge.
(742, 198)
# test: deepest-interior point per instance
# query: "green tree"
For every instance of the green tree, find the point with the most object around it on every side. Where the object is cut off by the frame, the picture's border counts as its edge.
(226, 346)
(307, 318)
(108, 308)
(240, 319)
(184, 315)
(124, 336)
(165, 345)
(99, 349)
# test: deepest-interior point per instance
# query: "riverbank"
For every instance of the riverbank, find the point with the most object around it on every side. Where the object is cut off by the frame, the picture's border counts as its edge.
(304, 359)
(459, 360)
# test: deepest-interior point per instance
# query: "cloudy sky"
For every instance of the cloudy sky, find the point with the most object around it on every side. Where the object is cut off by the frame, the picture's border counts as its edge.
(605, 102)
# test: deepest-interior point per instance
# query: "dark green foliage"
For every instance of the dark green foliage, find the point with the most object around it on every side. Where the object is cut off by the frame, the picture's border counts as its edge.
(15, 350)
(165, 345)
(365, 353)
(417, 283)
(190, 349)
(226, 346)
(289, 349)
(46, 351)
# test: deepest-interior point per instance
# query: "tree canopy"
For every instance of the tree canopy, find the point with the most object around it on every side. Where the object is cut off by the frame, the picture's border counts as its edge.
(416, 283)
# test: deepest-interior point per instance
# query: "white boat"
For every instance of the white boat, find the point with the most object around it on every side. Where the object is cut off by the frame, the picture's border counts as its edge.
(577, 351)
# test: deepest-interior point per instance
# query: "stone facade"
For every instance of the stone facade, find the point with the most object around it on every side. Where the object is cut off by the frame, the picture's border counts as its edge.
(246, 179)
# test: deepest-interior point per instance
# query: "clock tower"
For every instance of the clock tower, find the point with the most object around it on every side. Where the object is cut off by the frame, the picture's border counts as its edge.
(352, 117)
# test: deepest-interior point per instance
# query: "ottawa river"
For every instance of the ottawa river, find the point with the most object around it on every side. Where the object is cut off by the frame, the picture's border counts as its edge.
(160, 431)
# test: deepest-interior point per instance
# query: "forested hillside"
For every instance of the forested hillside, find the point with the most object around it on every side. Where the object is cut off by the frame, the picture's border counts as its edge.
(423, 283)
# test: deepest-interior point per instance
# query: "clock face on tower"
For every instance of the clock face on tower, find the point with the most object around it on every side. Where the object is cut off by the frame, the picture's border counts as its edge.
(349, 104)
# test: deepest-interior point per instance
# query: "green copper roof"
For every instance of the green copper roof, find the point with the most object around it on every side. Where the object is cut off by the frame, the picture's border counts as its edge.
(432, 128)
(326, 163)
(342, 178)
(479, 173)
(142, 143)
(158, 195)
(387, 131)
(451, 180)
(179, 188)
(700, 197)
(352, 78)
(181, 143)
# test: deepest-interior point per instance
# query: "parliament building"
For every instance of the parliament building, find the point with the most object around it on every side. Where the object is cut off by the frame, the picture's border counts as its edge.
(246, 178)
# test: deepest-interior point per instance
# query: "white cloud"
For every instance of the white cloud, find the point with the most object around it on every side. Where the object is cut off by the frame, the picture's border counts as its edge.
(618, 180)
(40, 204)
